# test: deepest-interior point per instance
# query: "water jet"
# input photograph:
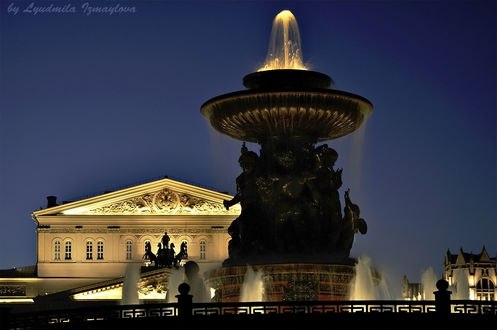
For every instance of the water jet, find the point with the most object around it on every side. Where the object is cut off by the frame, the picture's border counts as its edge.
(130, 285)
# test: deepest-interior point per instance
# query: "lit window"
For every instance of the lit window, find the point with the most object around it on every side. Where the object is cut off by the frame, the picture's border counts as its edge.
(202, 249)
(68, 250)
(485, 289)
(89, 250)
(100, 250)
(129, 249)
(56, 250)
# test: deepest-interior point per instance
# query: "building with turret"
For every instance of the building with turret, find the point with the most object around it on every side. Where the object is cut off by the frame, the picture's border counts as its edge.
(470, 276)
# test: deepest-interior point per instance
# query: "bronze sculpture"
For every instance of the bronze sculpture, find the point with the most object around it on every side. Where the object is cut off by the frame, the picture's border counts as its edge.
(296, 204)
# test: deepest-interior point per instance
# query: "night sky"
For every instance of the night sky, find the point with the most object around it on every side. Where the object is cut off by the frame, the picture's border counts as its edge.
(92, 102)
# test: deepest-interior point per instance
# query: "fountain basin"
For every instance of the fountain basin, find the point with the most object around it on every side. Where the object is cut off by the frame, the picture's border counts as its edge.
(285, 282)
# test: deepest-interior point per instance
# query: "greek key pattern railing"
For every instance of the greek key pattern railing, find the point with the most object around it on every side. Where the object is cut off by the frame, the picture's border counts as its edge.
(95, 314)
(366, 306)
(81, 315)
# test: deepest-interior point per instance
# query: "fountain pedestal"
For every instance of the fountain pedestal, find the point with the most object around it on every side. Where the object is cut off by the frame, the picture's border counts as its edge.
(284, 282)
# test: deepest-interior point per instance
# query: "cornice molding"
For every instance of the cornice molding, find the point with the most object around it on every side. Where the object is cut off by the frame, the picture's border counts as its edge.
(135, 220)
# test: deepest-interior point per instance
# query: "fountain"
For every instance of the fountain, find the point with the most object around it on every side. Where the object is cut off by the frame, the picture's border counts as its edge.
(253, 286)
(291, 228)
(365, 283)
(429, 279)
(130, 285)
(284, 51)
(460, 285)
(175, 278)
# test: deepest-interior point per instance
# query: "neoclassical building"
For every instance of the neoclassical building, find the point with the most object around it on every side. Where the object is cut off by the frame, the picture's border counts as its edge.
(85, 247)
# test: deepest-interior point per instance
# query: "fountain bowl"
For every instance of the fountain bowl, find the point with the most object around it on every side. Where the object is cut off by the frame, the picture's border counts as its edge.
(286, 103)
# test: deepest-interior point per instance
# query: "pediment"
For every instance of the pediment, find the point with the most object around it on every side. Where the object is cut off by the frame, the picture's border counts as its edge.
(162, 197)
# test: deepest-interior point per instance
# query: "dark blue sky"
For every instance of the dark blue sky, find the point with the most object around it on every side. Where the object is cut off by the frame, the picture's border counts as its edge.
(91, 103)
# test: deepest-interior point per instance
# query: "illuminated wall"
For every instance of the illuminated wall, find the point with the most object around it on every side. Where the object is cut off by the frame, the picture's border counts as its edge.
(471, 276)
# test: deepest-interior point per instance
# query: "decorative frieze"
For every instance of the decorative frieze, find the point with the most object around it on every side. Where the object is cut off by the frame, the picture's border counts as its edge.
(133, 231)
(164, 202)
(12, 290)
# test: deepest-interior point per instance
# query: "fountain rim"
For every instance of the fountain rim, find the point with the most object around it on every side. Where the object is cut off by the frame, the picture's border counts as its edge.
(243, 102)
(278, 78)
(253, 92)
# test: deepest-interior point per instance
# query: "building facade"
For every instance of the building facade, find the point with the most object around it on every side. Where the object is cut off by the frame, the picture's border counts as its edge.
(96, 240)
(470, 277)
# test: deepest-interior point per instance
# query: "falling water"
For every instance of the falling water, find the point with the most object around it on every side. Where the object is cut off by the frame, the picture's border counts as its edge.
(252, 288)
(284, 45)
(364, 284)
(429, 280)
(176, 277)
(460, 288)
(130, 285)
(356, 158)
(221, 151)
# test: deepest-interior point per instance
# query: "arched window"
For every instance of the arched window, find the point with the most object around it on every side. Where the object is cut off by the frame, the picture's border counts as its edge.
(89, 250)
(485, 289)
(56, 250)
(100, 250)
(202, 245)
(68, 250)
(129, 250)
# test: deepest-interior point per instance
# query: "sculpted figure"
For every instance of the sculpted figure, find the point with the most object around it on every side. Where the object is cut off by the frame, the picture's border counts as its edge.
(165, 240)
(324, 191)
(149, 255)
(172, 260)
(182, 254)
(243, 230)
(246, 192)
(160, 251)
(291, 204)
(352, 223)
(184, 250)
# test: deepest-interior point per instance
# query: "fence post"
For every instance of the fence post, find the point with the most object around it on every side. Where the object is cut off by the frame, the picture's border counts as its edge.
(184, 301)
(4, 317)
(442, 297)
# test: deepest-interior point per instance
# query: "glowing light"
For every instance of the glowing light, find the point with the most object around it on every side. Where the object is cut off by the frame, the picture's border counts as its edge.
(284, 45)
(472, 295)
(116, 293)
(471, 280)
(106, 294)
(20, 300)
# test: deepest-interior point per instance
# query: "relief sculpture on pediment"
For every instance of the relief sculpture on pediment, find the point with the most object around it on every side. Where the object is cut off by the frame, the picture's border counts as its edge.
(164, 201)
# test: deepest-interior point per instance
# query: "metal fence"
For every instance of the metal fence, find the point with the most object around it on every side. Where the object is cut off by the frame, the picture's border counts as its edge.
(34, 320)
